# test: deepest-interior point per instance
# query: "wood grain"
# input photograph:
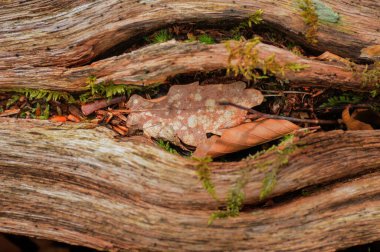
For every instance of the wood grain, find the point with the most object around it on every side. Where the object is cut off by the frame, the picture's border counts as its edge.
(74, 183)
(71, 33)
(155, 63)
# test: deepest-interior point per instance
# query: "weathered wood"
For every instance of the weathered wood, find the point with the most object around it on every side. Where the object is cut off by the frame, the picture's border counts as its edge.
(78, 185)
(67, 33)
(154, 64)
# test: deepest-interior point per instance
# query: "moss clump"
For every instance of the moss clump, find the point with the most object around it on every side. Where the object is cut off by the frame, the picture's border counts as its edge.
(296, 67)
(161, 36)
(108, 89)
(234, 204)
(46, 95)
(204, 175)
(244, 59)
(284, 149)
(206, 39)
(310, 17)
(256, 18)
(372, 77)
(104, 89)
(166, 146)
(235, 198)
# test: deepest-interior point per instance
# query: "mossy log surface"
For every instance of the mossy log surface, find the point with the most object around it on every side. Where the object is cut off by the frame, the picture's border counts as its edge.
(51, 44)
(76, 184)
(68, 33)
(155, 63)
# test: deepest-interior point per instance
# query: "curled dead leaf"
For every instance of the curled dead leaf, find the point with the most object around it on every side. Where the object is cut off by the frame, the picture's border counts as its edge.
(371, 52)
(352, 123)
(244, 136)
(191, 111)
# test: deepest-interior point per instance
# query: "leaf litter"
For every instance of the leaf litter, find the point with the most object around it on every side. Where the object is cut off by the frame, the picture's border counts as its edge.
(189, 112)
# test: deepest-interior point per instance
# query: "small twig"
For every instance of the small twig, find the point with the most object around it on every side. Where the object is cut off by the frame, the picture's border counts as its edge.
(257, 114)
(91, 107)
(285, 92)
(341, 107)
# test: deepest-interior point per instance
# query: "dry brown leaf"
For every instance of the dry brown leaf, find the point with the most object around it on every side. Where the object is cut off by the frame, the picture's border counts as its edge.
(328, 56)
(9, 112)
(352, 123)
(244, 136)
(371, 52)
(191, 111)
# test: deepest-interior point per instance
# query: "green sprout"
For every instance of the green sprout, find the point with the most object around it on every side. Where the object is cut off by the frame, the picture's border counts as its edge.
(206, 39)
(162, 36)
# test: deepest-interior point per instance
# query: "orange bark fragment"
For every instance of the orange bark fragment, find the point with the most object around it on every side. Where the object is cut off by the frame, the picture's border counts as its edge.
(58, 119)
(73, 118)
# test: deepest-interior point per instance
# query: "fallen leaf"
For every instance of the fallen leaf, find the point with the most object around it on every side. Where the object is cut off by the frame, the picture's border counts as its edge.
(74, 110)
(371, 52)
(367, 116)
(73, 118)
(328, 56)
(9, 112)
(191, 111)
(352, 123)
(244, 136)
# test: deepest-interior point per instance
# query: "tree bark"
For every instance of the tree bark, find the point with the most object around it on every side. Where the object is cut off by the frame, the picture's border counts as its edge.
(77, 184)
(68, 33)
(74, 183)
(49, 38)
(155, 63)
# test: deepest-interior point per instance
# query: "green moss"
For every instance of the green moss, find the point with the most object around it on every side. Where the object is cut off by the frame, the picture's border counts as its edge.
(204, 175)
(107, 89)
(206, 39)
(255, 18)
(310, 17)
(346, 98)
(284, 149)
(12, 100)
(161, 36)
(235, 198)
(296, 67)
(244, 59)
(372, 77)
(46, 113)
(46, 95)
(166, 146)
(235, 201)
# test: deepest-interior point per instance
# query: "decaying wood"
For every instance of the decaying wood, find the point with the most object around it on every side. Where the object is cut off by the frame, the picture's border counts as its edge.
(155, 63)
(78, 185)
(42, 41)
(67, 33)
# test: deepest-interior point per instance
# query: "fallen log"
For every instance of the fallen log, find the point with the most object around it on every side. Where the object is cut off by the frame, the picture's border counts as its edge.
(74, 183)
(155, 63)
(67, 33)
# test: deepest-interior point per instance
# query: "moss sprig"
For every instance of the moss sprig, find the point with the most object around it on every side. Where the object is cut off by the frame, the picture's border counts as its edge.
(105, 90)
(46, 95)
(235, 202)
(371, 77)
(204, 175)
(310, 17)
(254, 19)
(244, 59)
